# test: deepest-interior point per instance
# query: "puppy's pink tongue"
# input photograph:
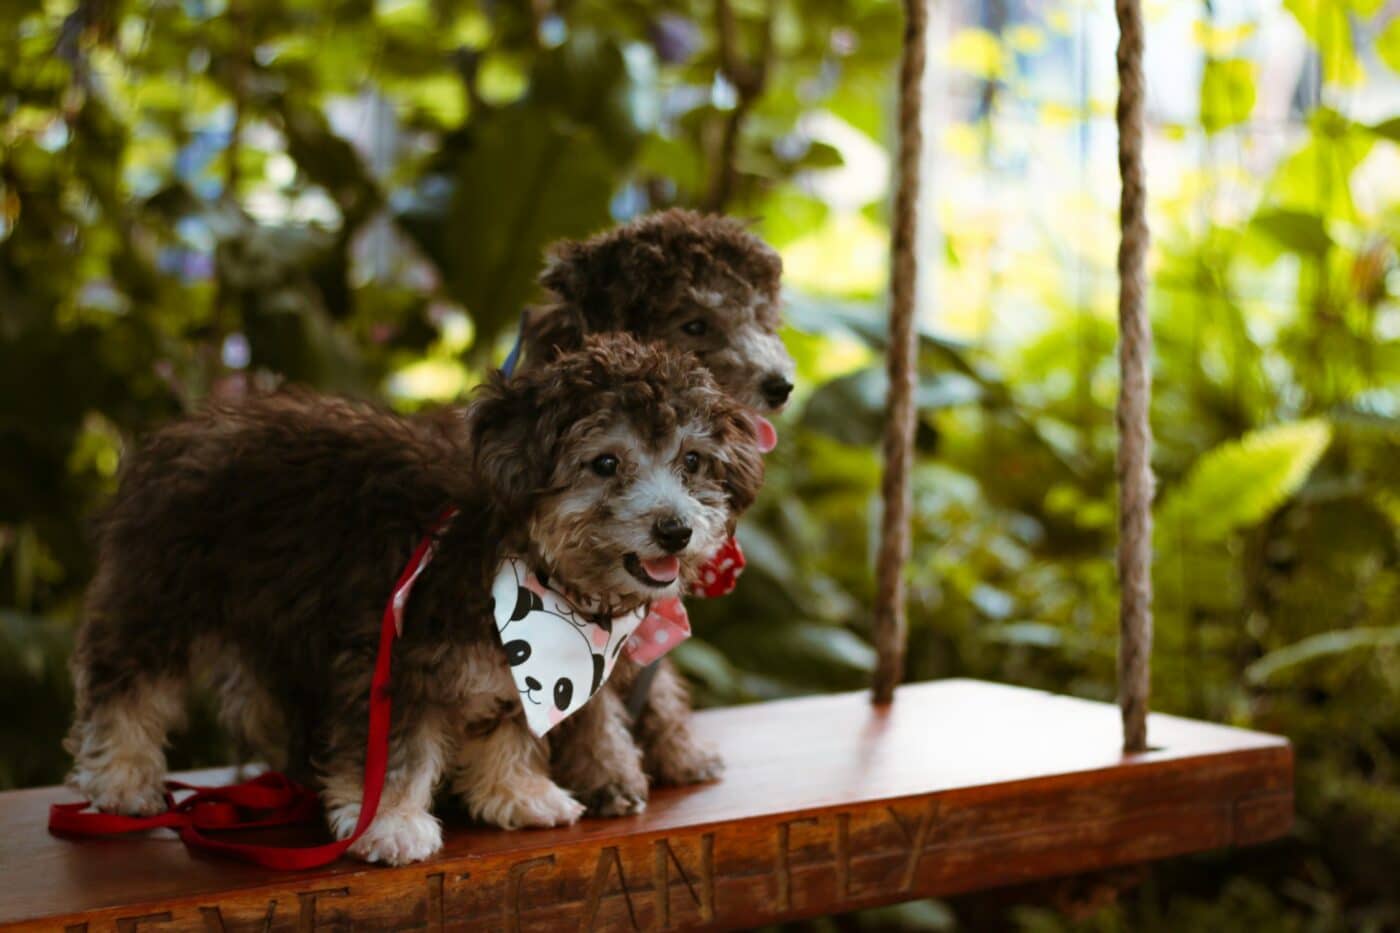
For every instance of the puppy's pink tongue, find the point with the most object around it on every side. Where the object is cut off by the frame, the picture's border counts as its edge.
(662, 569)
(767, 434)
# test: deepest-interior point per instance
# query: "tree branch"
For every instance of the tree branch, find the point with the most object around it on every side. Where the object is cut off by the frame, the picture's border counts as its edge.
(748, 78)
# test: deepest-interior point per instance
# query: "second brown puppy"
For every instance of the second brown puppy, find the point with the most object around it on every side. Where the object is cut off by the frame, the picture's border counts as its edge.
(706, 285)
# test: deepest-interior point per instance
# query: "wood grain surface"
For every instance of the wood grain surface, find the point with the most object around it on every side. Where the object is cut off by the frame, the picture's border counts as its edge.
(828, 804)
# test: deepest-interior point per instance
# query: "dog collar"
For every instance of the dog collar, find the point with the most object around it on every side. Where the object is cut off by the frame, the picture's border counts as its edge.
(559, 655)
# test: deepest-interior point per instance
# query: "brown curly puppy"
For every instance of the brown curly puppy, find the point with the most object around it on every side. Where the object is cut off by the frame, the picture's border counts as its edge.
(699, 282)
(267, 534)
(707, 285)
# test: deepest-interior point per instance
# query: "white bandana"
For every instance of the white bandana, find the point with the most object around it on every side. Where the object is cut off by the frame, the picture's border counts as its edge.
(558, 656)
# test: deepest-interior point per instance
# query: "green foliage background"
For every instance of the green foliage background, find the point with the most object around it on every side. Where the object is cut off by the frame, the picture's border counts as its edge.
(178, 217)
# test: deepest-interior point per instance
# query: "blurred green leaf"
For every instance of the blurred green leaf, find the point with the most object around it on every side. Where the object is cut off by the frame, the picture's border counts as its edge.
(800, 653)
(1388, 129)
(1239, 483)
(521, 183)
(586, 81)
(1277, 665)
(851, 408)
(1227, 93)
(1294, 230)
(700, 661)
(1388, 44)
(1326, 23)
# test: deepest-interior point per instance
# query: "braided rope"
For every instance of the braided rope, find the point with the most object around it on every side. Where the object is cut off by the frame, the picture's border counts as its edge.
(1135, 351)
(890, 622)
(1135, 392)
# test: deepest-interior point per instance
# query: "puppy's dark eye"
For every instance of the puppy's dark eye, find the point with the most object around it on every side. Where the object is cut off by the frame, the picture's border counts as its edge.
(692, 462)
(604, 465)
(695, 328)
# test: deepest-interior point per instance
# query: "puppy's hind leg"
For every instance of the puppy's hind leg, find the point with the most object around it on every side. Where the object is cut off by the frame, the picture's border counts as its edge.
(118, 742)
(596, 757)
(131, 668)
(404, 830)
(246, 708)
(503, 777)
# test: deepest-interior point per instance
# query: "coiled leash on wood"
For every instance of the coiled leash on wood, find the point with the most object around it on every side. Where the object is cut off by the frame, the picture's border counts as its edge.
(272, 799)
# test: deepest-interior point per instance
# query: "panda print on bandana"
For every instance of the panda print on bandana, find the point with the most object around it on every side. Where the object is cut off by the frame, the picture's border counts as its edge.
(558, 656)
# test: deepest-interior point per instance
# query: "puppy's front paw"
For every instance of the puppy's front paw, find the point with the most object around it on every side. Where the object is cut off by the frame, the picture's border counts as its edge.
(399, 837)
(615, 788)
(615, 799)
(536, 802)
(128, 791)
(684, 761)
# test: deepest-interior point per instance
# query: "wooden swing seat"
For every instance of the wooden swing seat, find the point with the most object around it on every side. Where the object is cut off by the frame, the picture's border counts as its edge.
(828, 804)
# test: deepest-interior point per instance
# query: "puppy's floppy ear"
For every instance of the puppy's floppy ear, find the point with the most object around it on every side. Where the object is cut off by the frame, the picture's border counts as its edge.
(503, 435)
(755, 262)
(740, 468)
(582, 277)
(566, 270)
(551, 330)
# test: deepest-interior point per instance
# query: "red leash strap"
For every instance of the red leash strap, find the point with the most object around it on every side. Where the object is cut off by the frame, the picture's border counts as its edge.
(272, 799)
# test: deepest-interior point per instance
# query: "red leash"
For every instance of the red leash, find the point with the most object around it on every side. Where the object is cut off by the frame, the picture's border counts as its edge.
(272, 799)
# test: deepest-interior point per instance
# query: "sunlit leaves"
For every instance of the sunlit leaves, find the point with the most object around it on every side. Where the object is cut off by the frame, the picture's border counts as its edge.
(1025, 38)
(520, 184)
(441, 99)
(977, 52)
(1222, 41)
(542, 168)
(864, 102)
(1298, 231)
(1241, 482)
(501, 79)
(790, 215)
(845, 256)
(403, 14)
(1227, 93)
(1364, 7)
(437, 380)
(1388, 44)
(1197, 567)
(1316, 177)
(1328, 25)
(328, 159)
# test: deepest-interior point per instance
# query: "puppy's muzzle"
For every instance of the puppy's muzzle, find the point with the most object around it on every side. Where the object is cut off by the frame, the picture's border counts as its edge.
(671, 534)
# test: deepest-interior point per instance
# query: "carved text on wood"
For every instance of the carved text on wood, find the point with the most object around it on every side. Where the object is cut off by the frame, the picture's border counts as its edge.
(727, 875)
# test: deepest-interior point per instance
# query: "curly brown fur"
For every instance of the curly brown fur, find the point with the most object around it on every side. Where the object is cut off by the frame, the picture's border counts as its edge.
(707, 285)
(671, 753)
(596, 757)
(699, 282)
(268, 533)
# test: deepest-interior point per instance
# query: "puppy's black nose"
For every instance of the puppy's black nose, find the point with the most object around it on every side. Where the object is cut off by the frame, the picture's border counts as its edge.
(776, 390)
(671, 533)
